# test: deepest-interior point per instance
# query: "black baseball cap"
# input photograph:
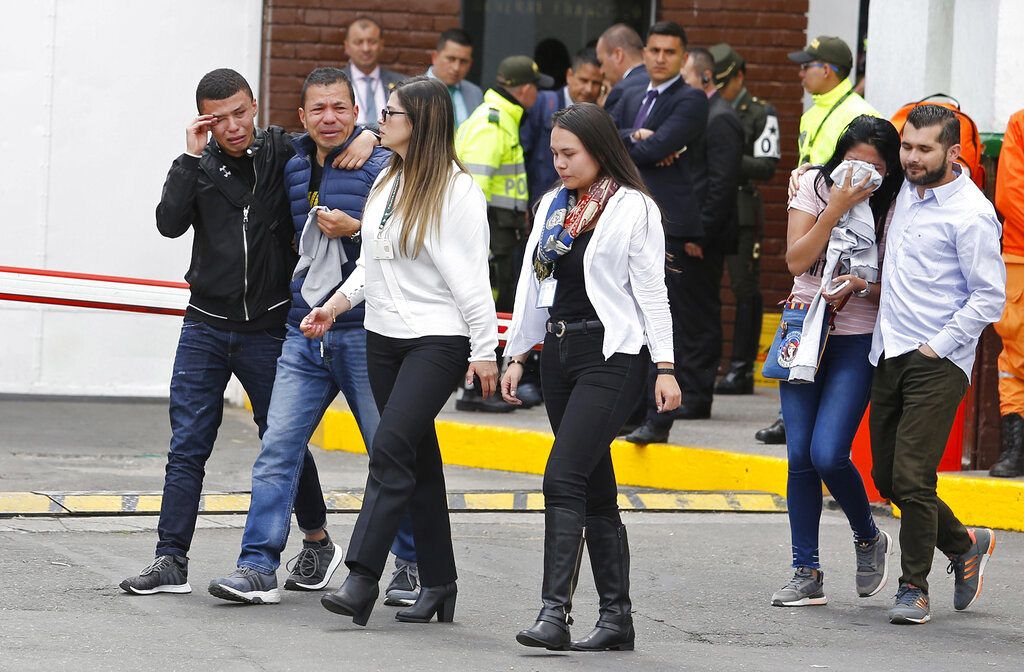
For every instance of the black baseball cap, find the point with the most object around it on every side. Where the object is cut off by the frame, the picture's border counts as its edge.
(828, 49)
(519, 70)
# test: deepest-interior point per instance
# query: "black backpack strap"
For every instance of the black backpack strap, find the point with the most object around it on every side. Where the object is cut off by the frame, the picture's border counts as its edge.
(939, 95)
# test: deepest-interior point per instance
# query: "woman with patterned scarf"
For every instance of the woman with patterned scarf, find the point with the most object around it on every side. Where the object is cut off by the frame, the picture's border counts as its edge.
(593, 289)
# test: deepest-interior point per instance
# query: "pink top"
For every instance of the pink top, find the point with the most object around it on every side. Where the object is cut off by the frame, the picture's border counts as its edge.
(858, 316)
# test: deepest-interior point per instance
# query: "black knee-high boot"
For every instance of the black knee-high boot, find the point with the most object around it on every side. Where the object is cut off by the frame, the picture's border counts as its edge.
(563, 549)
(609, 558)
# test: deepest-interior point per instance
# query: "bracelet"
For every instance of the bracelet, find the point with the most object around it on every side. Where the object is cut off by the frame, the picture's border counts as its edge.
(863, 293)
(666, 372)
(334, 314)
(516, 361)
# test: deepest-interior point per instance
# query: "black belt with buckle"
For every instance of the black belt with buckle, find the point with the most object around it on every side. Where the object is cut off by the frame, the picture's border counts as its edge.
(561, 328)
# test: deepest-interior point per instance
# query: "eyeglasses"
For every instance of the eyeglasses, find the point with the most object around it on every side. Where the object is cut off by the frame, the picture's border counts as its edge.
(812, 64)
(387, 111)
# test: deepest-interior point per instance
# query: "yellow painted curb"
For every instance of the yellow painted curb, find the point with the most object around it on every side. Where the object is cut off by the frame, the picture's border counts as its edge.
(976, 501)
(350, 501)
(26, 503)
(660, 466)
(985, 502)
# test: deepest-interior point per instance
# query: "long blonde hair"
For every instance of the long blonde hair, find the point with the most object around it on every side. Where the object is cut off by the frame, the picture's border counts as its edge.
(427, 166)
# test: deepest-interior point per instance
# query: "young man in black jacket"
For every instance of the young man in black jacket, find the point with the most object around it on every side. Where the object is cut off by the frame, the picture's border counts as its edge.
(230, 192)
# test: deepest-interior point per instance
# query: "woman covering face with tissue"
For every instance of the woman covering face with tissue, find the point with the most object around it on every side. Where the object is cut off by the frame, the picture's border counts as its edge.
(835, 241)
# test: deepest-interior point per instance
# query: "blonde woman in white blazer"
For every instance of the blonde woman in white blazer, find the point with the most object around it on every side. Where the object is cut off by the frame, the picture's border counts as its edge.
(430, 322)
(592, 289)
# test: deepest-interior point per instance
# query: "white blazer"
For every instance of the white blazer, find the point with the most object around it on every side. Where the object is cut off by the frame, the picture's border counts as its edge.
(445, 291)
(624, 275)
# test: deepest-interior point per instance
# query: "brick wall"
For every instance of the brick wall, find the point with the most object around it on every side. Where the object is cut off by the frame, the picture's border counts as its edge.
(299, 35)
(763, 32)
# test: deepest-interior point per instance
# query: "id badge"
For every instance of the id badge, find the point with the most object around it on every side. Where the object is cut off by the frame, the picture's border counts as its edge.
(383, 249)
(546, 295)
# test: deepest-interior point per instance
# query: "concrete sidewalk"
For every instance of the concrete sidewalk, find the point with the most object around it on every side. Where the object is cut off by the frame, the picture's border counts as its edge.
(718, 454)
(120, 447)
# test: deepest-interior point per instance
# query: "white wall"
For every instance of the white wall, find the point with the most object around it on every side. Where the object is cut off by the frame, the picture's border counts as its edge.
(96, 96)
(969, 49)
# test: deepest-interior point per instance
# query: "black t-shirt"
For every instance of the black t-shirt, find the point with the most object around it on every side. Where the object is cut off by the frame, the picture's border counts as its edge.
(315, 177)
(571, 300)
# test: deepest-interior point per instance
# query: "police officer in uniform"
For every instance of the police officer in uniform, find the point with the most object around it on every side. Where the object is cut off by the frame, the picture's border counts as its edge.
(760, 157)
(488, 143)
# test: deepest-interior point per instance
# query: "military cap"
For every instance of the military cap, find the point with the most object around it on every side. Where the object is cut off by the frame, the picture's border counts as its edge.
(727, 62)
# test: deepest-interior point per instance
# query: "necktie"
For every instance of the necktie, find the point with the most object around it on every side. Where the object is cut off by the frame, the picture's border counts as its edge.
(645, 108)
(369, 114)
(458, 104)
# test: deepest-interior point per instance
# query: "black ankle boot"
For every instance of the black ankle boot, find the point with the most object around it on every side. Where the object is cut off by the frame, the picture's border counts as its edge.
(609, 558)
(739, 379)
(355, 598)
(563, 548)
(1011, 461)
(438, 600)
(774, 434)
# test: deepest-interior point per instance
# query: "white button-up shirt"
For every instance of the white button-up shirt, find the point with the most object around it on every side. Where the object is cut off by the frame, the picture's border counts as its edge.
(943, 280)
(369, 110)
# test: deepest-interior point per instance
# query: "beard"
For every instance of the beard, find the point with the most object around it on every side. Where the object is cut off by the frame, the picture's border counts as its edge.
(929, 176)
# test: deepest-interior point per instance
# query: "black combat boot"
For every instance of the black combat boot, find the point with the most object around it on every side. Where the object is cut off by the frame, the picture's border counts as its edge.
(1011, 461)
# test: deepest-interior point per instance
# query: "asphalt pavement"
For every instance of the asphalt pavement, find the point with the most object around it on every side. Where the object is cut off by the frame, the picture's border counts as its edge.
(701, 583)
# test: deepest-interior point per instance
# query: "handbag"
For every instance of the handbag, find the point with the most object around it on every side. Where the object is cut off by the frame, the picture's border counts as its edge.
(787, 339)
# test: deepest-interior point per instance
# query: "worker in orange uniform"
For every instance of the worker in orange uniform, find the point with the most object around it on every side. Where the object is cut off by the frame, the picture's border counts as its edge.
(1010, 202)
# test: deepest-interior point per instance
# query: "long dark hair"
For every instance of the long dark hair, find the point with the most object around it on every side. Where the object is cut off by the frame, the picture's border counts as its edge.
(428, 164)
(596, 130)
(883, 136)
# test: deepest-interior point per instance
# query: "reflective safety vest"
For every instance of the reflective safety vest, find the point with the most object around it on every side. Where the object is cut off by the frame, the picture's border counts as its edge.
(488, 143)
(824, 123)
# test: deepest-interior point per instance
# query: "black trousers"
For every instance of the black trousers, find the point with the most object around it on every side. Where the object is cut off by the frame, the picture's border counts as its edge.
(411, 381)
(693, 297)
(588, 400)
(744, 278)
(913, 404)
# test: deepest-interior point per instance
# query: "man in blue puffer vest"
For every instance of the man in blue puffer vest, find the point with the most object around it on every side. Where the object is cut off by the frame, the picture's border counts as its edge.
(326, 206)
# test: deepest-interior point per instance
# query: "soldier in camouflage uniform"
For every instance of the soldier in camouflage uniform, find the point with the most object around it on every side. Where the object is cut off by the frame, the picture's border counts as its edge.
(761, 154)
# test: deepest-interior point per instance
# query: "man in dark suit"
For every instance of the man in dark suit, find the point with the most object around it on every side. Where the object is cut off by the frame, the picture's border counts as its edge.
(718, 158)
(582, 85)
(659, 123)
(621, 52)
(450, 63)
(364, 43)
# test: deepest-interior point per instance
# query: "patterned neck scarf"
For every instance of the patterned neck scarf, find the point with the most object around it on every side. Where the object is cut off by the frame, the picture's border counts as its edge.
(567, 219)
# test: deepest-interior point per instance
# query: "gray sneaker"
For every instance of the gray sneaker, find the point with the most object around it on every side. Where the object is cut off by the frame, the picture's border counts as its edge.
(968, 569)
(167, 574)
(805, 589)
(911, 606)
(873, 563)
(403, 589)
(314, 566)
(247, 585)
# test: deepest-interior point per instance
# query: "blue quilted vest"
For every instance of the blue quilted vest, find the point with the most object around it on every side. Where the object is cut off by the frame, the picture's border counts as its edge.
(344, 190)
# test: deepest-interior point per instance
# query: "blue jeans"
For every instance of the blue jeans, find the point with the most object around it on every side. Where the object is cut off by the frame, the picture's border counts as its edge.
(205, 359)
(307, 383)
(821, 420)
